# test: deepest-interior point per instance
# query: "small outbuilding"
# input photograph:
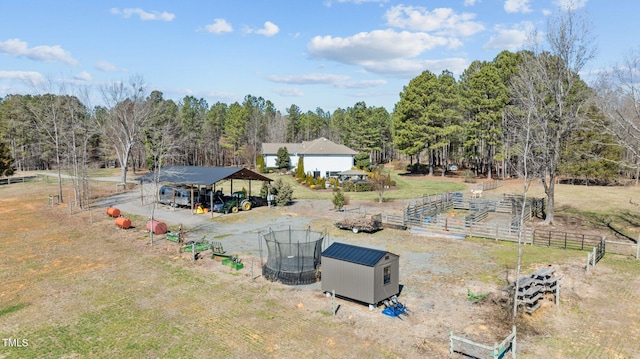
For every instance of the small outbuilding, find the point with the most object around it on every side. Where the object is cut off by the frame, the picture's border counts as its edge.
(363, 274)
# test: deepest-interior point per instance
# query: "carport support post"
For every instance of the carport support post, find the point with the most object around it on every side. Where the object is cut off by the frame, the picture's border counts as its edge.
(211, 203)
(192, 199)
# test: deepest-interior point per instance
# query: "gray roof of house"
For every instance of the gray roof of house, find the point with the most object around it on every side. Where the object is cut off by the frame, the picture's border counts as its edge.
(320, 146)
(354, 254)
(199, 175)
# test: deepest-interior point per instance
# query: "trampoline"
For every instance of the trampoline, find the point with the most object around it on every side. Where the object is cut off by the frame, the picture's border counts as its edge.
(293, 256)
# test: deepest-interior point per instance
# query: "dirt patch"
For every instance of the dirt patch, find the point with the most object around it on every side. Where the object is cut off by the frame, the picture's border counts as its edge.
(82, 277)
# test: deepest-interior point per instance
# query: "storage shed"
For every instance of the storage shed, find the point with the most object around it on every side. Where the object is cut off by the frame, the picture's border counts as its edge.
(363, 274)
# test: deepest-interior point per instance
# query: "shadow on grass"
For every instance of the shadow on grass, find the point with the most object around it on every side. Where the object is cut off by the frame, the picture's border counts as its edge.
(614, 223)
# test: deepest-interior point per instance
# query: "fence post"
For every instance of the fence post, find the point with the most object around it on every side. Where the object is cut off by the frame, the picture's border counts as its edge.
(451, 344)
(513, 343)
(638, 247)
(333, 302)
(588, 261)
(593, 258)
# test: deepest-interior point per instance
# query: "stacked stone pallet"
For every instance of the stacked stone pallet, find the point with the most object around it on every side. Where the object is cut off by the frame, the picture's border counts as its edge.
(534, 288)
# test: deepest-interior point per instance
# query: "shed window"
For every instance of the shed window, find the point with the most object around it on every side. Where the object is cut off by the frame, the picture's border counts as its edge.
(387, 275)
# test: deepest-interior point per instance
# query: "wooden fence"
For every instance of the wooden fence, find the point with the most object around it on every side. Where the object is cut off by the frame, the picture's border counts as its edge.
(468, 348)
(445, 226)
(10, 180)
(596, 255)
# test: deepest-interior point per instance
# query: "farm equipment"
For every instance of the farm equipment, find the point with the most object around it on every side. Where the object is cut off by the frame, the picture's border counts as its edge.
(360, 224)
(233, 262)
(175, 237)
(237, 201)
(197, 246)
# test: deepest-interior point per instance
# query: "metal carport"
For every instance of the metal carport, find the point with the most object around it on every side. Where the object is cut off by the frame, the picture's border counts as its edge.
(201, 176)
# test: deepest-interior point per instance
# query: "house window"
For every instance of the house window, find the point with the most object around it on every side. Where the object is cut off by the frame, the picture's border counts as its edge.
(387, 275)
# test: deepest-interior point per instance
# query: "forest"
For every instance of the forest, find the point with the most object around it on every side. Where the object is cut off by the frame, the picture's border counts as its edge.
(523, 113)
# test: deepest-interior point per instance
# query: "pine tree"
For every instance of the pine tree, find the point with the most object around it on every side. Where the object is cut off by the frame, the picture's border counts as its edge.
(6, 161)
(300, 169)
(283, 160)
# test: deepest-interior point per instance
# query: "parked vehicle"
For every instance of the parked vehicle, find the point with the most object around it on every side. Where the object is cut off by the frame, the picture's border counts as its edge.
(237, 201)
(175, 196)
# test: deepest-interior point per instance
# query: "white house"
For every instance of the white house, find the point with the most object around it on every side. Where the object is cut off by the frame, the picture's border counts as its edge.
(321, 157)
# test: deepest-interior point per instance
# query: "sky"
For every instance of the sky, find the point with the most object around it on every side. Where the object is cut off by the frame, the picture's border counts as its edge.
(325, 54)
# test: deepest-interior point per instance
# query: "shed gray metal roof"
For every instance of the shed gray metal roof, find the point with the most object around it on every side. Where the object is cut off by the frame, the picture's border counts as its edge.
(354, 254)
(198, 175)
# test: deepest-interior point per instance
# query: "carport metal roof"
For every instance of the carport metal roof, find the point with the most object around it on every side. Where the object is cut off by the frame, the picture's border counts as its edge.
(205, 176)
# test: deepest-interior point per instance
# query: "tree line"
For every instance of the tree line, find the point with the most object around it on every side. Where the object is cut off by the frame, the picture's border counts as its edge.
(522, 106)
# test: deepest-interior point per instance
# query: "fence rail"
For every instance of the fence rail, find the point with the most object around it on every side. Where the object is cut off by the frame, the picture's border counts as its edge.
(468, 348)
(596, 255)
(565, 240)
(10, 180)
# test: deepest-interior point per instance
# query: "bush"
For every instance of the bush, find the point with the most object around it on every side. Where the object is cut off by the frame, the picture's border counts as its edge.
(469, 177)
(363, 187)
(339, 200)
(420, 168)
(348, 186)
(260, 165)
(282, 191)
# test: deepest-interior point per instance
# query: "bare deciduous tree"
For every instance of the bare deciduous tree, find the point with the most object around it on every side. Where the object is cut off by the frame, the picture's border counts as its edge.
(552, 94)
(618, 97)
(128, 113)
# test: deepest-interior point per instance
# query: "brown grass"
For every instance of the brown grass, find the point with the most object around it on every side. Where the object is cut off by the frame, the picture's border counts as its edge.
(76, 286)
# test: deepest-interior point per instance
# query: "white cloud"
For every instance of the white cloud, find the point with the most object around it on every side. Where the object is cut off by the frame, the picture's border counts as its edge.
(378, 45)
(571, 4)
(511, 39)
(106, 66)
(219, 26)
(268, 30)
(18, 48)
(143, 15)
(83, 76)
(308, 79)
(407, 68)
(440, 20)
(362, 84)
(470, 2)
(339, 81)
(357, 2)
(29, 77)
(289, 92)
(512, 6)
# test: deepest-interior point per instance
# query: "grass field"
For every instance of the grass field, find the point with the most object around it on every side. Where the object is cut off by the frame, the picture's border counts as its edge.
(76, 286)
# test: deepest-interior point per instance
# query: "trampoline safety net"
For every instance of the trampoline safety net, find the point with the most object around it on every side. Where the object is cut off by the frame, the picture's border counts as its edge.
(293, 256)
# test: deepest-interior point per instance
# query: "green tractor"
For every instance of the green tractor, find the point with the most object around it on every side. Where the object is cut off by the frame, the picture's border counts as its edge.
(238, 200)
